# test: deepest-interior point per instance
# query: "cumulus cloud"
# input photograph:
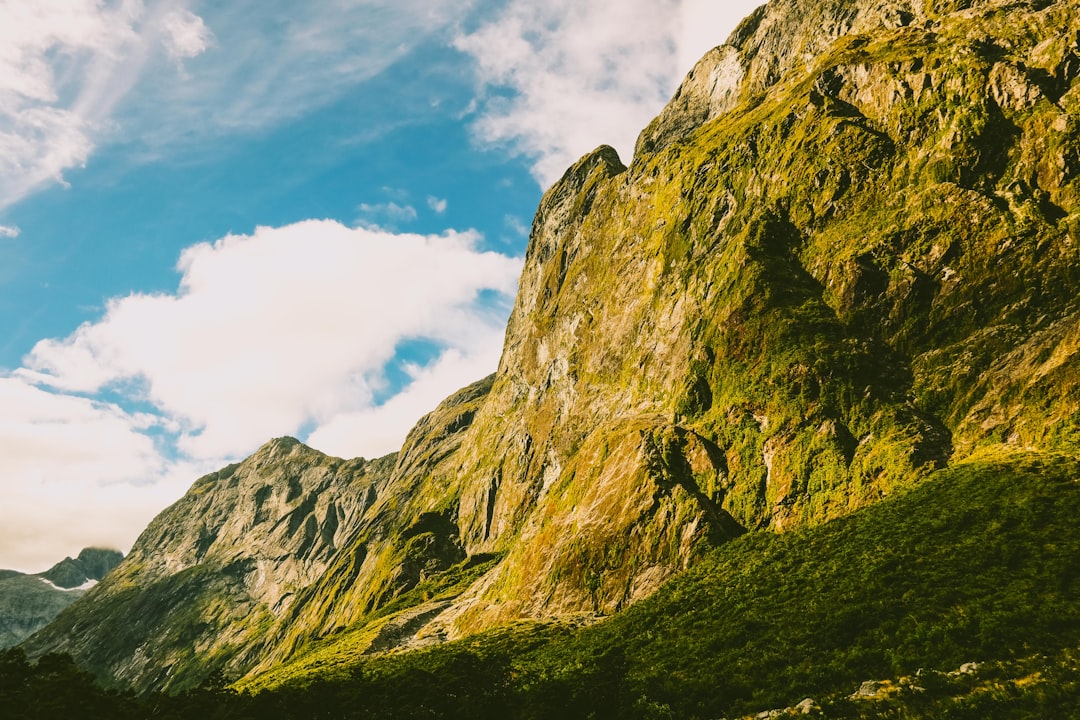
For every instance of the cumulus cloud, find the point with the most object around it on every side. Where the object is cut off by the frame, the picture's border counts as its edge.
(582, 74)
(186, 35)
(9, 231)
(562, 77)
(79, 473)
(284, 331)
(376, 431)
(285, 328)
(704, 24)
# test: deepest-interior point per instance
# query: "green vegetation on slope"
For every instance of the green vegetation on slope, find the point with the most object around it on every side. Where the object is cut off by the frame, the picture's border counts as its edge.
(982, 562)
(979, 563)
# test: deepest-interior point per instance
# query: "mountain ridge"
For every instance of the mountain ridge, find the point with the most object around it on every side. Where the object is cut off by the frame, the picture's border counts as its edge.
(842, 258)
(29, 602)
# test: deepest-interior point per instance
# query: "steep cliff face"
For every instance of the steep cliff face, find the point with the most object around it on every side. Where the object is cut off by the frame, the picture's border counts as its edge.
(840, 257)
(30, 602)
(846, 254)
(206, 581)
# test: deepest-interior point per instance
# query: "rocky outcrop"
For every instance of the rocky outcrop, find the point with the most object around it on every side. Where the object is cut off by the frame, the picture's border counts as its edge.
(91, 565)
(257, 560)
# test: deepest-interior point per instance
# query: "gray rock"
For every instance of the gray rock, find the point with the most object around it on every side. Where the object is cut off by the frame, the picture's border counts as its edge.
(869, 689)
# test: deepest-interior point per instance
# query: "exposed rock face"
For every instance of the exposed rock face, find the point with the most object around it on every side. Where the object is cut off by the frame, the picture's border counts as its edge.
(836, 261)
(846, 252)
(92, 564)
(30, 602)
(207, 579)
(253, 561)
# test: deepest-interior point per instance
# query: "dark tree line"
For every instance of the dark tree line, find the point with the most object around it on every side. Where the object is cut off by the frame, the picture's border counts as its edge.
(466, 686)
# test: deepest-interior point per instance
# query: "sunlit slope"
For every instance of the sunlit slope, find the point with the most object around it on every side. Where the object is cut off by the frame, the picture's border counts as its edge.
(980, 563)
(845, 256)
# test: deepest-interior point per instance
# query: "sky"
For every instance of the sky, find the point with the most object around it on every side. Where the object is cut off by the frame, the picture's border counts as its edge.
(226, 222)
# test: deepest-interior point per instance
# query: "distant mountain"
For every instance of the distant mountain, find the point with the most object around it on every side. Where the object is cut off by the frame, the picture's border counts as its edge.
(30, 602)
(844, 257)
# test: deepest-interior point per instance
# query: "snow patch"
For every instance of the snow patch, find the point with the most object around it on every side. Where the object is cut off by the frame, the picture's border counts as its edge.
(85, 586)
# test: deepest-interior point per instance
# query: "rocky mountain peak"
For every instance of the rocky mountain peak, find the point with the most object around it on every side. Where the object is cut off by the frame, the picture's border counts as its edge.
(91, 564)
(786, 38)
(281, 446)
(30, 602)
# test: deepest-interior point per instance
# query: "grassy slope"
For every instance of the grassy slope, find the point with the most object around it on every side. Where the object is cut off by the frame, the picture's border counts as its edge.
(979, 563)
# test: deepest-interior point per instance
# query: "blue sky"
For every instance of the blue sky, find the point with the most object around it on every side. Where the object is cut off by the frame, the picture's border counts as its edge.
(225, 222)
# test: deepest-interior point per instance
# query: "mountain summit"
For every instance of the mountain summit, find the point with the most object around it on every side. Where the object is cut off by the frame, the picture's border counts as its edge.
(30, 602)
(844, 256)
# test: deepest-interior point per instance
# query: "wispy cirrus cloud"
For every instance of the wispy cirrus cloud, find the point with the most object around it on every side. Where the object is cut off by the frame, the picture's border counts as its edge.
(159, 75)
(272, 61)
(555, 78)
(65, 65)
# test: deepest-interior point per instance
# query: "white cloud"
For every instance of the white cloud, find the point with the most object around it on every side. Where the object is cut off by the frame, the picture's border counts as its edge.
(186, 35)
(269, 334)
(284, 328)
(9, 231)
(64, 65)
(153, 74)
(384, 215)
(581, 74)
(76, 74)
(78, 473)
(704, 24)
(376, 431)
(439, 205)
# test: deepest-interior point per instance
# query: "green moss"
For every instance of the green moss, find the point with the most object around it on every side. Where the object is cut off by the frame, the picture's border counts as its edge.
(978, 563)
(339, 651)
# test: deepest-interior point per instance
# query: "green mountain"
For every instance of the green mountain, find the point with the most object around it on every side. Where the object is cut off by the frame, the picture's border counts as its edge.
(30, 602)
(841, 267)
